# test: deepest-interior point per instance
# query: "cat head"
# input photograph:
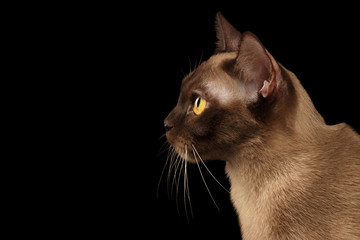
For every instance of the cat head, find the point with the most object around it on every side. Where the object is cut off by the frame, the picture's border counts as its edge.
(228, 99)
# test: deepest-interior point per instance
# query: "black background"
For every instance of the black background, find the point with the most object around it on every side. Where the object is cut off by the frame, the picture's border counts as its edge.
(131, 60)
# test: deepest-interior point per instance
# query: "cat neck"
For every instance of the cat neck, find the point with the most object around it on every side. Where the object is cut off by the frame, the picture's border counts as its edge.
(304, 117)
(275, 149)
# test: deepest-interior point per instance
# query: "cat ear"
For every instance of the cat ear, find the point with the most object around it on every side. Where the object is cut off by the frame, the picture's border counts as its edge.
(228, 37)
(256, 66)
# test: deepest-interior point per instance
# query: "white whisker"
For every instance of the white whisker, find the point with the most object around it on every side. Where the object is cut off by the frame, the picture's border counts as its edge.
(162, 173)
(176, 180)
(202, 161)
(186, 189)
(171, 167)
(197, 162)
(180, 160)
(176, 162)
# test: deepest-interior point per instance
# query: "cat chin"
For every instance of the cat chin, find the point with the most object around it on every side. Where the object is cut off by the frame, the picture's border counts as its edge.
(189, 151)
(186, 151)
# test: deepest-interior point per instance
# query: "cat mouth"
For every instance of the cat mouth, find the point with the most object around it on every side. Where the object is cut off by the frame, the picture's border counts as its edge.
(184, 148)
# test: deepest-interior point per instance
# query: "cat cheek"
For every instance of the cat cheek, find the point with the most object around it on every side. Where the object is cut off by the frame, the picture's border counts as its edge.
(202, 131)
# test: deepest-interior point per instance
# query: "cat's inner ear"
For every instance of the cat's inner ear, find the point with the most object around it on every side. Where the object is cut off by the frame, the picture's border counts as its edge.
(256, 65)
(228, 37)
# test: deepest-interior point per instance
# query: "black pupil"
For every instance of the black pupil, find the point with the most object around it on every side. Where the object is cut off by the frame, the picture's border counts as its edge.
(198, 102)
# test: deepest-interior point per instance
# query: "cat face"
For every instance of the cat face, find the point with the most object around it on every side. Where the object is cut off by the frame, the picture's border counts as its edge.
(211, 114)
(225, 101)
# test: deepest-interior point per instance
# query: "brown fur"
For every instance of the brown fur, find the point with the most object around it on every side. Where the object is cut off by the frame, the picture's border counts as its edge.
(292, 176)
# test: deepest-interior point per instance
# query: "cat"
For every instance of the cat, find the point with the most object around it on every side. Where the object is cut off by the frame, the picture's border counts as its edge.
(291, 175)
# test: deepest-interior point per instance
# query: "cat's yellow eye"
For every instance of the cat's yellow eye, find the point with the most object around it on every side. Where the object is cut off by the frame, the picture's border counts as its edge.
(199, 105)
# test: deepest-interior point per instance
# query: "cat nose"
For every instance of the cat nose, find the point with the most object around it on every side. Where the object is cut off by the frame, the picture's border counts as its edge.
(167, 126)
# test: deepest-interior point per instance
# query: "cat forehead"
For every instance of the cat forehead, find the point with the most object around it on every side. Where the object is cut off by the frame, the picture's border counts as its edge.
(211, 79)
(212, 65)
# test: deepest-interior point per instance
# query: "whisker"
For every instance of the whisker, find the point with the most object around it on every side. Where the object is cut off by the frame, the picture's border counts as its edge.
(176, 181)
(197, 63)
(180, 160)
(187, 186)
(186, 189)
(202, 54)
(197, 162)
(162, 173)
(202, 161)
(177, 168)
(163, 148)
(162, 135)
(190, 64)
(171, 166)
(181, 70)
(184, 193)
